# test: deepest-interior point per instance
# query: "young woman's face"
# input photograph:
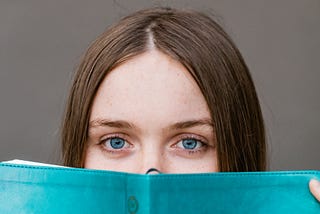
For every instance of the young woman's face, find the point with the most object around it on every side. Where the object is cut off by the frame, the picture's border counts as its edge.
(150, 113)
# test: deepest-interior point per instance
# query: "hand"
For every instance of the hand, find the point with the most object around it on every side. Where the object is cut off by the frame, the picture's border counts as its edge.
(314, 186)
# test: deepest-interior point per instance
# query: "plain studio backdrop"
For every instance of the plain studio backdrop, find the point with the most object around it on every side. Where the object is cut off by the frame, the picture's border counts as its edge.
(41, 44)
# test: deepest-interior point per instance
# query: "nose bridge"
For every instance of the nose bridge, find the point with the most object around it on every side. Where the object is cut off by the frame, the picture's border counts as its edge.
(151, 156)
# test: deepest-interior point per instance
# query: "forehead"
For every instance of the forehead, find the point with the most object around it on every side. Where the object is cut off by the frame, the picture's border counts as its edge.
(150, 86)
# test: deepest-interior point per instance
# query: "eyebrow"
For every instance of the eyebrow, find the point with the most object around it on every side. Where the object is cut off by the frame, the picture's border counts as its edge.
(111, 123)
(127, 125)
(192, 123)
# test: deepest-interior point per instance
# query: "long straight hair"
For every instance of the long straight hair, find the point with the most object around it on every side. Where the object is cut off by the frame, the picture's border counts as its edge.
(206, 51)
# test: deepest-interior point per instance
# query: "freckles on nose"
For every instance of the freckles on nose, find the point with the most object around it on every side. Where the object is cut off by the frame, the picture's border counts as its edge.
(152, 160)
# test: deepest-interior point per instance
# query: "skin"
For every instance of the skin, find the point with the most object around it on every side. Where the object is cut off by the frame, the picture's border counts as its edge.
(150, 113)
(314, 186)
(152, 105)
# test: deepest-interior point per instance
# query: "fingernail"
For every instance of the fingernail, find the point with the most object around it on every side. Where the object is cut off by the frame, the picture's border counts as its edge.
(315, 183)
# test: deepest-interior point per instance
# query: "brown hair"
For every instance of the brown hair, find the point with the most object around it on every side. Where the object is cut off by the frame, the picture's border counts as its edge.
(208, 53)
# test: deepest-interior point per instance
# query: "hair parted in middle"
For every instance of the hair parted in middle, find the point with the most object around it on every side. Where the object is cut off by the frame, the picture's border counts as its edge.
(206, 51)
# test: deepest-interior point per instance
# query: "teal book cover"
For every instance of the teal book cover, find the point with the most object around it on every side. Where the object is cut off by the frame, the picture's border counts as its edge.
(46, 189)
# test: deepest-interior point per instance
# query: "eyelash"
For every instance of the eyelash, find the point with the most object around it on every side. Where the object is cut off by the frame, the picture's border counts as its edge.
(180, 138)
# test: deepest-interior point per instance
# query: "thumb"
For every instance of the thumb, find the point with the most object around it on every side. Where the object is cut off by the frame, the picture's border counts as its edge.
(314, 186)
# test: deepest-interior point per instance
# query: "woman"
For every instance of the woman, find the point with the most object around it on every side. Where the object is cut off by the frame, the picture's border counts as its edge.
(165, 89)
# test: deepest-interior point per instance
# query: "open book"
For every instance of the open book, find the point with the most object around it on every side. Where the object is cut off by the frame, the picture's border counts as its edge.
(29, 188)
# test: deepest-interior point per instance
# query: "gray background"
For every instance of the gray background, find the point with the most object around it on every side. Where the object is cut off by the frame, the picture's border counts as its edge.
(41, 43)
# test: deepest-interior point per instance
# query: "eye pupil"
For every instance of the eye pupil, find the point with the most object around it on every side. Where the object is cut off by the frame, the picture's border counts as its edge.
(117, 143)
(189, 143)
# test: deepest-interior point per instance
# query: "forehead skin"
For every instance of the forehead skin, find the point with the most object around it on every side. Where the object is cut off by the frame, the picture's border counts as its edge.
(151, 90)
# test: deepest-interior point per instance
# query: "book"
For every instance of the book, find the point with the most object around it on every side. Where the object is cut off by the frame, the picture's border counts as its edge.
(27, 187)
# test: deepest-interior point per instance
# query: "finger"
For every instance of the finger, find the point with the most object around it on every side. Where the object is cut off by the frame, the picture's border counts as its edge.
(314, 186)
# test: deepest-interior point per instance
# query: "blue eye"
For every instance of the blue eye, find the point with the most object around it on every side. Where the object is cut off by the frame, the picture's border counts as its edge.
(116, 142)
(190, 144)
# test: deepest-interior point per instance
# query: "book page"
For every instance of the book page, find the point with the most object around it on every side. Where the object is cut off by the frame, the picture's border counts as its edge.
(31, 163)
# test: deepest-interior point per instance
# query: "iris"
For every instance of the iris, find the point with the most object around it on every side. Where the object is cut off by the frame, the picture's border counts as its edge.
(189, 143)
(117, 143)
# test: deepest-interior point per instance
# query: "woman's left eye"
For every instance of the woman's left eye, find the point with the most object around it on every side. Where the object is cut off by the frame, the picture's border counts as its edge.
(190, 144)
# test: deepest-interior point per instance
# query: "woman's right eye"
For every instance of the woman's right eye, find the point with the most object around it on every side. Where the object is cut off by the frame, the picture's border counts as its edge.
(115, 144)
